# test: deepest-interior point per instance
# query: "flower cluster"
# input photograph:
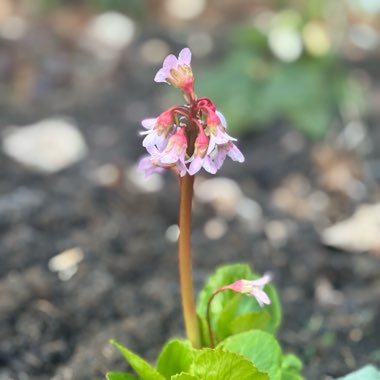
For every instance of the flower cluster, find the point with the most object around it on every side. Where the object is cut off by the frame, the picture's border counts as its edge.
(186, 137)
(253, 288)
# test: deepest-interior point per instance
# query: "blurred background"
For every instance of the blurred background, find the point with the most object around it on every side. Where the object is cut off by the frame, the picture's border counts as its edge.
(88, 247)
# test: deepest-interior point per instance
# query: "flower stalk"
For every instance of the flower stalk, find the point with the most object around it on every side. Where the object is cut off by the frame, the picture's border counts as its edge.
(186, 139)
(185, 266)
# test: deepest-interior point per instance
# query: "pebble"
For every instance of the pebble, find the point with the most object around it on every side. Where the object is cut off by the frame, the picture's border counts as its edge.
(108, 34)
(215, 228)
(359, 233)
(223, 194)
(18, 288)
(66, 263)
(250, 212)
(20, 202)
(143, 184)
(47, 146)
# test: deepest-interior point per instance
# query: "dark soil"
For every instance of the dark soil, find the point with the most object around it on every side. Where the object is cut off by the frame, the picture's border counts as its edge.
(127, 287)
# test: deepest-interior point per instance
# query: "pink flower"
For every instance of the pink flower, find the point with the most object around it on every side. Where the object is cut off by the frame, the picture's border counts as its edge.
(158, 130)
(253, 288)
(175, 151)
(177, 72)
(194, 127)
(219, 154)
(149, 165)
(200, 150)
(216, 127)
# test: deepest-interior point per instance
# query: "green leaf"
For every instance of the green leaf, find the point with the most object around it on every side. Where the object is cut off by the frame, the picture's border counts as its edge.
(120, 376)
(185, 376)
(256, 320)
(368, 372)
(205, 336)
(222, 365)
(260, 347)
(291, 363)
(290, 376)
(141, 367)
(176, 357)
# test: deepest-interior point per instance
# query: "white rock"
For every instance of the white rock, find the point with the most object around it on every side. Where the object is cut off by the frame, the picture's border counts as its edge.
(48, 146)
(359, 233)
(223, 194)
(150, 184)
(66, 263)
(66, 259)
(215, 228)
(108, 34)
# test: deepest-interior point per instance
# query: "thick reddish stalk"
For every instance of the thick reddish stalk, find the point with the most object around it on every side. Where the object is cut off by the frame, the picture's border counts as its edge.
(185, 267)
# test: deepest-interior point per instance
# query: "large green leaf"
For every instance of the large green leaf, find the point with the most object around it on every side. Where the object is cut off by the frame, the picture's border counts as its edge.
(120, 376)
(185, 376)
(222, 365)
(255, 320)
(260, 347)
(176, 357)
(141, 367)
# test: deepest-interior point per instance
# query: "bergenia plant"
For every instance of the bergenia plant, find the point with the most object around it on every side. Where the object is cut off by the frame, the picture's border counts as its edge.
(231, 329)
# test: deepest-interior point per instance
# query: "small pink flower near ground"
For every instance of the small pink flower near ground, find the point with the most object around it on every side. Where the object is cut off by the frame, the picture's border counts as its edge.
(252, 287)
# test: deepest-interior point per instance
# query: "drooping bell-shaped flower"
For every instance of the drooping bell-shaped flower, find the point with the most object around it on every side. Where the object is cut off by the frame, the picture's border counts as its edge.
(216, 127)
(150, 164)
(252, 288)
(200, 150)
(177, 71)
(158, 130)
(175, 151)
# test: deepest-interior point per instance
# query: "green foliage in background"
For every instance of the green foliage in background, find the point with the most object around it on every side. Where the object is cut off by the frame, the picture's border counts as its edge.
(254, 89)
(134, 8)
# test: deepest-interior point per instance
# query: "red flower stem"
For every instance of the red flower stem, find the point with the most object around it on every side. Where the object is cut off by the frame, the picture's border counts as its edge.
(208, 317)
(184, 253)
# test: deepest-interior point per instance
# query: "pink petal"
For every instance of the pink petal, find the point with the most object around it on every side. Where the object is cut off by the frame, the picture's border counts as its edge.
(265, 279)
(146, 165)
(181, 167)
(261, 296)
(195, 165)
(149, 123)
(161, 75)
(209, 165)
(222, 119)
(149, 140)
(170, 62)
(235, 154)
(184, 56)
